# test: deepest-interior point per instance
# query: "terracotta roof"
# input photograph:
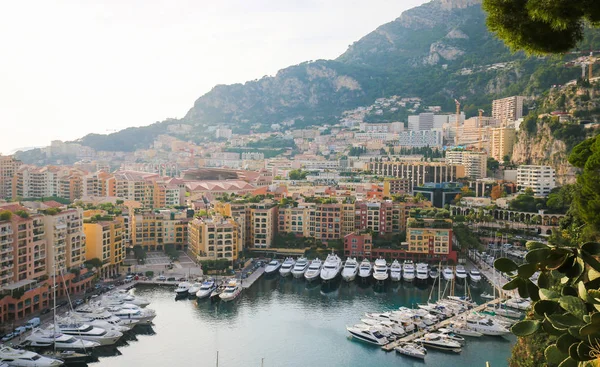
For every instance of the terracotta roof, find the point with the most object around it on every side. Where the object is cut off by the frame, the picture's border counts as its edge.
(53, 204)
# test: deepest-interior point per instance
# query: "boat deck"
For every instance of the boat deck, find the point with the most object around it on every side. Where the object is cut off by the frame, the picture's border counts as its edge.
(409, 338)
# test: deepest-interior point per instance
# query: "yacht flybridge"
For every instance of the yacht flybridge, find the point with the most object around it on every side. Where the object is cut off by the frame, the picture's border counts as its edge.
(380, 270)
(350, 269)
(365, 269)
(25, 358)
(286, 267)
(48, 339)
(408, 272)
(272, 267)
(331, 267)
(300, 267)
(396, 271)
(314, 270)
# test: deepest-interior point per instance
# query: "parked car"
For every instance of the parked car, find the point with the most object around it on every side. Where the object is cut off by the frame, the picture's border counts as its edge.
(111, 287)
(171, 279)
(161, 278)
(19, 330)
(45, 311)
(34, 322)
(78, 302)
(7, 337)
(128, 278)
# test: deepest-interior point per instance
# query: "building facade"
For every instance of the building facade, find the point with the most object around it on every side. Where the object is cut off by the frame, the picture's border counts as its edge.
(502, 142)
(418, 173)
(214, 238)
(104, 241)
(508, 109)
(541, 179)
(475, 163)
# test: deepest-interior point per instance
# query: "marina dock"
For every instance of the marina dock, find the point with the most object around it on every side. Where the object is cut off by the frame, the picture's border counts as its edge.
(247, 283)
(409, 338)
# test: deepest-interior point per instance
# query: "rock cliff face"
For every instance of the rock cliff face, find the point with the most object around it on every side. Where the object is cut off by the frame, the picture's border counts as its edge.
(542, 148)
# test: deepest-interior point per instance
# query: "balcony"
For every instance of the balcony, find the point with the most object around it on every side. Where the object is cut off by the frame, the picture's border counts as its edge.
(6, 249)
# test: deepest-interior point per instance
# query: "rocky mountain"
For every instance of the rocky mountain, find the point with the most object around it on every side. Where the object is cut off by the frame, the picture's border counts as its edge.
(438, 51)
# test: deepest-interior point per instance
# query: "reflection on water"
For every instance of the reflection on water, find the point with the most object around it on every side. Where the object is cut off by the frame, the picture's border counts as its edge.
(288, 322)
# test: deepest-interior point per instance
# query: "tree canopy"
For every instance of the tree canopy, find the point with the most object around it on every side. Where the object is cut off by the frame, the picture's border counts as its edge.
(586, 156)
(541, 26)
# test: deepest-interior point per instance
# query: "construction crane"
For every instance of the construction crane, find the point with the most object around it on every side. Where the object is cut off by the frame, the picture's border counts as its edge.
(480, 127)
(457, 120)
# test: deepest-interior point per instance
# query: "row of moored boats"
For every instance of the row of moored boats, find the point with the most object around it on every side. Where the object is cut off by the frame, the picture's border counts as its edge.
(379, 270)
(98, 323)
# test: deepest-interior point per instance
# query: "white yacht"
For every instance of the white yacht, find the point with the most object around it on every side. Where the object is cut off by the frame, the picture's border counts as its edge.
(232, 290)
(331, 267)
(272, 267)
(380, 270)
(436, 341)
(113, 325)
(518, 303)
(486, 326)
(462, 329)
(350, 269)
(129, 297)
(475, 276)
(206, 289)
(183, 288)
(447, 333)
(89, 332)
(365, 269)
(461, 274)
(433, 273)
(412, 350)
(287, 266)
(368, 335)
(24, 358)
(408, 271)
(422, 273)
(48, 338)
(194, 288)
(486, 295)
(300, 267)
(144, 316)
(395, 271)
(314, 270)
(448, 274)
(91, 314)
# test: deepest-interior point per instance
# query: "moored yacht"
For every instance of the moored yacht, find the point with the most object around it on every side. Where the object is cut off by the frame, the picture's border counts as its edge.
(380, 270)
(486, 326)
(144, 316)
(89, 332)
(422, 273)
(461, 274)
(408, 271)
(475, 276)
(395, 271)
(129, 297)
(72, 318)
(412, 350)
(369, 335)
(448, 274)
(183, 288)
(24, 358)
(365, 269)
(206, 289)
(96, 315)
(436, 341)
(48, 338)
(272, 267)
(300, 267)
(286, 267)
(350, 269)
(194, 288)
(486, 295)
(314, 270)
(331, 267)
(518, 303)
(232, 290)
(433, 273)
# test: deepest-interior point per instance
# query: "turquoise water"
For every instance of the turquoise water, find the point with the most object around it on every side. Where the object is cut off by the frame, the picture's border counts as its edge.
(286, 323)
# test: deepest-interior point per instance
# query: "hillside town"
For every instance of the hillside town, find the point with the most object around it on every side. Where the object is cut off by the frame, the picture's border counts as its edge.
(367, 190)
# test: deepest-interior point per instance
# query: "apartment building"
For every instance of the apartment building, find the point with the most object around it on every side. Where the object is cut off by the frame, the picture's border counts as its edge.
(152, 231)
(35, 182)
(263, 226)
(384, 217)
(508, 109)
(475, 163)
(104, 241)
(431, 239)
(418, 172)
(502, 142)
(398, 186)
(421, 138)
(215, 238)
(325, 222)
(66, 239)
(149, 189)
(358, 245)
(541, 179)
(8, 167)
(293, 220)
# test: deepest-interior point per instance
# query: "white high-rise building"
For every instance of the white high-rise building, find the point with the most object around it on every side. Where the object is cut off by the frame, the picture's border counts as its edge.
(475, 162)
(424, 121)
(541, 179)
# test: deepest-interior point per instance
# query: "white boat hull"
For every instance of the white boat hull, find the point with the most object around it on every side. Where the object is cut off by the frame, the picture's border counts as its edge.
(395, 276)
(349, 276)
(298, 274)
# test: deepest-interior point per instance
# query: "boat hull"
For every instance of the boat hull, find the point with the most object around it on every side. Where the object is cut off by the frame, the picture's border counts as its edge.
(348, 277)
(298, 274)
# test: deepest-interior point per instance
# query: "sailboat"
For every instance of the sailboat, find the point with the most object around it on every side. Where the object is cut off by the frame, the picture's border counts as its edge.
(67, 355)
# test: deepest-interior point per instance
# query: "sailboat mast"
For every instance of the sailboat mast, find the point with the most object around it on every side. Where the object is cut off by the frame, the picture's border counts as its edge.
(439, 280)
(54, 304)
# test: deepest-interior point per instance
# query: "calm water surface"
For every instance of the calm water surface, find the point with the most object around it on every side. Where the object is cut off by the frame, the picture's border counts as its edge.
(288, 323)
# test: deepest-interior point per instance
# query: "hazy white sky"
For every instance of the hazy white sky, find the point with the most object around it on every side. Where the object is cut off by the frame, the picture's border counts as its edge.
(71, 67)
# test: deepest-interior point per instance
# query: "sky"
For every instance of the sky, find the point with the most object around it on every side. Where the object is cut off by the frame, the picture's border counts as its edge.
(71, 67)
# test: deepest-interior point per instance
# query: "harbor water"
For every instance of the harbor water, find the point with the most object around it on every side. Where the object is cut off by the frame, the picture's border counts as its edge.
(287, 322)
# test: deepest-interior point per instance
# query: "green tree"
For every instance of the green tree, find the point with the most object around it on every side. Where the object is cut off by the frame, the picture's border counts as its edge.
(541, 26)
(297, 174)
(493, 164)
(586, 156)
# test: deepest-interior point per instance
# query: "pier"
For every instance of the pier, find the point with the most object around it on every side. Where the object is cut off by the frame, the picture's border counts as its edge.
(247, 283)
(409, 338)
